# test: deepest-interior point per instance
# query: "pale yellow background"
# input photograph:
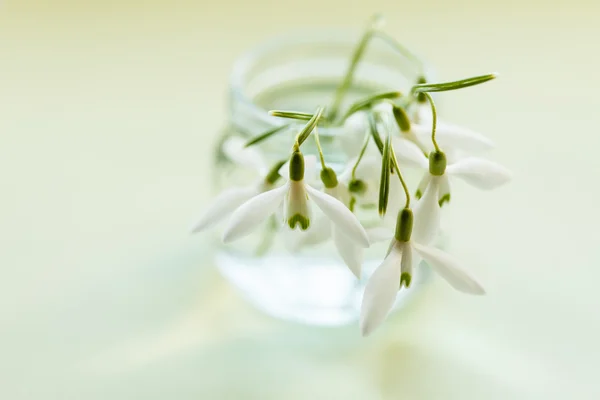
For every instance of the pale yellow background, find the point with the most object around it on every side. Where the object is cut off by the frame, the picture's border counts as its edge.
(108, 112)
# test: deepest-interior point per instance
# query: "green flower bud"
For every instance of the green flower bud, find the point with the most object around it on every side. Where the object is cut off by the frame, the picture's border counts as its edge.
(421, 98)
(401, 118)
(297, 166)
(437, 163)
(329, 178)
(404, 225)
(357, 186)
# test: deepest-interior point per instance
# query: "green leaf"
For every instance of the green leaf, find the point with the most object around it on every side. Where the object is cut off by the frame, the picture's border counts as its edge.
(384, 184)
(273, 174)
(445, 86)
(302, 116)
(369, 101)
(375, 133)
(310, 125)
(266, 135)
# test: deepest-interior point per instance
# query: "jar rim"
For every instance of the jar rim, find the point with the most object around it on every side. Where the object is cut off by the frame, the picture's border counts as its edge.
(249, 57)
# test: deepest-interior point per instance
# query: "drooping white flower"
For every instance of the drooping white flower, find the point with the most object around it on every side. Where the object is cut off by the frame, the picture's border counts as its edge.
(405, 253)
(230, 199)
(364, 185)
(297, 197)
(434, 187)
(450, 137)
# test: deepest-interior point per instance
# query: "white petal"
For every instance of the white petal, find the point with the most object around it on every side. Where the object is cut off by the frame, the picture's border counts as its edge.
(252, 212)
(409, 153)
(454, 137)
(406, 266)
(444, 190)
(319, 232)
(296, 201)
(449, 269)
(423, 184)
(482, 174)
(381, 290)
(339, 215)
(379, 234)
(355, 128)
(234, 148)
(340, 192)
(422, 114)
(223, 205)
(397, 197)
(427, 214)
(369, 167)
(351, 253)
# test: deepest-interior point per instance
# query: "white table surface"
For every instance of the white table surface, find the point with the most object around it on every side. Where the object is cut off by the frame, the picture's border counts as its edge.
(108, 113)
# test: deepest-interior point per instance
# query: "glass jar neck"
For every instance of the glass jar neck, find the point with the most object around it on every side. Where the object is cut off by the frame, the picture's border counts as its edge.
(301, 72)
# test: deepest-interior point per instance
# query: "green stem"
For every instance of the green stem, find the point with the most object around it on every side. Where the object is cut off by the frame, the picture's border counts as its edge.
(319, 148)
(404, 51)
(356, 56)
(361, 154)
(454, 85)
(434, 120)
(401, 178)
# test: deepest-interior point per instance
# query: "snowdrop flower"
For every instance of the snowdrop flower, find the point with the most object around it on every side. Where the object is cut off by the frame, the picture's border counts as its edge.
(434, 188)
(297, 197)
(396, 270)
(364, 185)
(230, 199)
(450, 137)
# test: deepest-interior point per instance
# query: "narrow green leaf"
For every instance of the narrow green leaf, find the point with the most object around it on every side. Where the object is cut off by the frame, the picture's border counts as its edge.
(302, 116)
(375, 133)
(445, 86)
(384, 184)
(375, 23)
(369, 101)
(310, 125)
(266, 135)
(273, 174)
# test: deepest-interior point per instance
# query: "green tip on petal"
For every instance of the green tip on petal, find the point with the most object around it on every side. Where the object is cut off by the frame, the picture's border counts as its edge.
(445, 199)
(437, 163)
(405, 279)
(296, 219)
(418, 194)
(329, 178)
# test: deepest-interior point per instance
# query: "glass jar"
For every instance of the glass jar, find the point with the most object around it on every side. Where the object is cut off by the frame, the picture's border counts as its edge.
(300, 72)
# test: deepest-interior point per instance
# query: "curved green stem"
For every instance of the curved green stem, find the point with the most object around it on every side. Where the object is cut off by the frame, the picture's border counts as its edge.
(361, 154)
(319, 148)
(434, 120)
(341, 90)
(401, 178)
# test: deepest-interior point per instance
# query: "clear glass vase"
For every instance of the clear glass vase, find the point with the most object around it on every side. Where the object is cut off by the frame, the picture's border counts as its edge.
(300, 72)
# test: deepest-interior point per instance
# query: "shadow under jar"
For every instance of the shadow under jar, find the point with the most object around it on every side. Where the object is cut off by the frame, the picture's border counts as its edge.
(301, 72)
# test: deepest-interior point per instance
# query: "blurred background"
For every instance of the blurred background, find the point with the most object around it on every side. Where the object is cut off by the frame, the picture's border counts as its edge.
(109, 111)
